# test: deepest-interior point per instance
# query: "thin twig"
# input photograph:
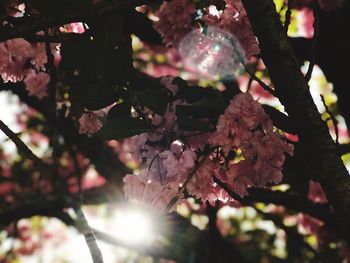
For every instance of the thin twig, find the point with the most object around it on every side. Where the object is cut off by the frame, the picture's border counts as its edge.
(288, 16)
(89, 236)
(228, 190)
(335, 122)
(182, 188)
(73, 154)
(51, 66)
(59, 38)
(262, 84)
(289, 200)
(21, 145)
(249, 85)
(27, 28)
(316, 26)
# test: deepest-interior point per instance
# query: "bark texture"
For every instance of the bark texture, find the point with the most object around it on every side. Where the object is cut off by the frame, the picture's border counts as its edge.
(293, 91)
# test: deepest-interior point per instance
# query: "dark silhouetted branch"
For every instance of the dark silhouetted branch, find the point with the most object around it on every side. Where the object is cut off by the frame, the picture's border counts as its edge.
(293, 91)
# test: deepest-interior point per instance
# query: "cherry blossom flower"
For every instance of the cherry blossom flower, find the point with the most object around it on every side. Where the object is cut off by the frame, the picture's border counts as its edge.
(4, 57)
(235, 126)
(167, 81)
(201, 185)
(142, 189)
(177, 166)
(250, 111)
(89, 123)
(17, 56)
(308, 224)
(246, 127)
(36, 84)
(316, 193)
(175, 20)
(133, 149)
(234, 19)
(305, 22)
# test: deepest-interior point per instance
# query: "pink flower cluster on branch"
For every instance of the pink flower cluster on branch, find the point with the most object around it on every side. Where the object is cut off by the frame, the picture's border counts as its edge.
(316, 193)
(169, 159)
(166, 161)
(247, 130)
(176, 20)
(36, 84)
(141, 188)
(234, 19)
(90, 121)
(18, 57)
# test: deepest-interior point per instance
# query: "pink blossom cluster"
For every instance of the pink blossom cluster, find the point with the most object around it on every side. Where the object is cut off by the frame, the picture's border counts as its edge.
(316, 193)
(31, 237)
(234, 19)
(308, 224)
(175, 20)
(11, 7)
(202, 185)
(247, 130)
(167, 158)
(142, 189)
(90, 121)
(18, 56)
(36, 84)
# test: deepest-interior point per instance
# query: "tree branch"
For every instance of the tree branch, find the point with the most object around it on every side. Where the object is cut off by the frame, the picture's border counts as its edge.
(21, 145)
(293, 91)
(288, 200)
(49, 207)
(27, 29)
(89, 236)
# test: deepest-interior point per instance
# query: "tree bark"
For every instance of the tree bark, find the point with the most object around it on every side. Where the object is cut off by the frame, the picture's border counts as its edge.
(293, 91)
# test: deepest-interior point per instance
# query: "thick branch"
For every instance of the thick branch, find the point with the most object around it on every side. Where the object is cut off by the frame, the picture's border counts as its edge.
(285, 199)
(293, 92)
(27, 28)
(50, 207)
(21, 145)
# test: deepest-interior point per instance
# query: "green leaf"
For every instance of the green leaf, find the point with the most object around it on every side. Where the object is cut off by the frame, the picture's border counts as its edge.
(212, 104)
(154, 99)
(193, 94)
(194, 124)
(197, 112)
(150, 93)
(93, 95)
(279, 119)
(121, 125)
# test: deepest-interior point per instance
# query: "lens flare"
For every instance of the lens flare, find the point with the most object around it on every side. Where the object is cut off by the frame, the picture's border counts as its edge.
(133, 226)
(212, 53)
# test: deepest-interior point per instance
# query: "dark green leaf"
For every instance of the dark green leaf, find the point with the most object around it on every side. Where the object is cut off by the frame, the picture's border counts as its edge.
(194, 124)
(121, 125)
(150, 93)
(279, 119)
(197, 112)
